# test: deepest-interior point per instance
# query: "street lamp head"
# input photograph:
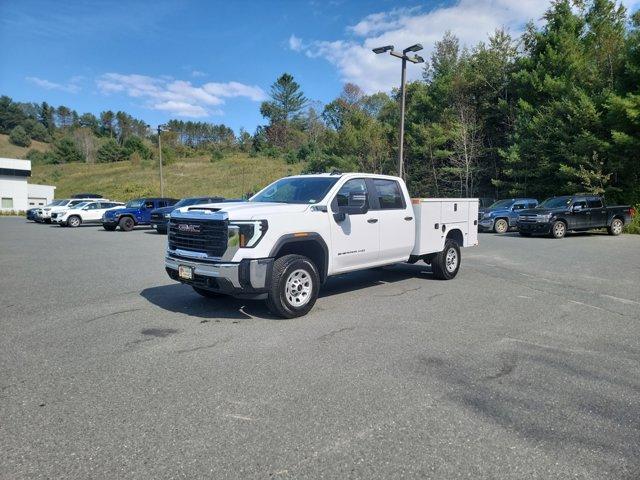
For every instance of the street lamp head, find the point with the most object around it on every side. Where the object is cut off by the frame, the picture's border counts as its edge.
(413, 48)
(383, 49)
(418, 59)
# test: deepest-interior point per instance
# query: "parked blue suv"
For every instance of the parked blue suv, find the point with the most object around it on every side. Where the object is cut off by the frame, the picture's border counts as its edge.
(503, 214)
(160, 216)
(135, 212)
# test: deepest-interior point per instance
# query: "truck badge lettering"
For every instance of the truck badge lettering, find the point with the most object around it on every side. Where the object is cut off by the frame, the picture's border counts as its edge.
(185, 227)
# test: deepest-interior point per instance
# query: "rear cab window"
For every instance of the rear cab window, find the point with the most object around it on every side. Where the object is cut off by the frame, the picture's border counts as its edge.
(594, 202)
(388, 194)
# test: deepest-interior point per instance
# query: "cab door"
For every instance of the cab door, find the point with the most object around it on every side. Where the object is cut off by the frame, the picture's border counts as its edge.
(355, 240)
(580, 216)
(598, 217)
(395, 217)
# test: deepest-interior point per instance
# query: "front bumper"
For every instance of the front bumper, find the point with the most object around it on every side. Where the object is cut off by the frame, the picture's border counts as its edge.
(485, 224)
(249, 277)
(160, 224)
(534, 227)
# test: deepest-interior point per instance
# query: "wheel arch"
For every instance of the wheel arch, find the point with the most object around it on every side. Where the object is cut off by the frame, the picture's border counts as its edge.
(456, 235)
(310, 245)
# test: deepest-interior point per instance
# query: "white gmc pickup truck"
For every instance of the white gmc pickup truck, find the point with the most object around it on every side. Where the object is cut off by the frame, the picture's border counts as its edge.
(284, 242)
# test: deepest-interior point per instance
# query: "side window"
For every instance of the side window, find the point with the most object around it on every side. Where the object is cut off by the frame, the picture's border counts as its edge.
(149, 204)
(518, 206)
(594, 202)
(388, 194)
(93, 206)
(580, 202)
(356, 185)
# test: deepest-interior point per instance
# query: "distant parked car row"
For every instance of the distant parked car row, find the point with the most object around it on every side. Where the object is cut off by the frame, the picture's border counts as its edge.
(555, 216)
(92, 209)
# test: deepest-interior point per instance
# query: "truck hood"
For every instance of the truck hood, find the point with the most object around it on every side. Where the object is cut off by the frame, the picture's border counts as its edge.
(246, 210)
(121, 210)
(163, 210)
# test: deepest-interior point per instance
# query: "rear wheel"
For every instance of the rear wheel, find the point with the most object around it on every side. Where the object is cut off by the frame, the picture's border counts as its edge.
(616, 227)
(126, 224)
(207, 293)
(74, 221)
(295, 284)
(558, 229)
(501, 226)
(445, 264)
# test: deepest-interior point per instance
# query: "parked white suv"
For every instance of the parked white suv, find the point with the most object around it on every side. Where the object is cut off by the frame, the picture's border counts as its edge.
(46, 213)
(284, 242)
(85, 212)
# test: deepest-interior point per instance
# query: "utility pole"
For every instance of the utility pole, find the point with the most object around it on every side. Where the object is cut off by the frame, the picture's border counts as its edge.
(403, 82)
(160, 127)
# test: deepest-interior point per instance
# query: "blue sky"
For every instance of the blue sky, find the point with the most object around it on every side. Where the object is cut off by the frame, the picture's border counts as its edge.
(215, 60)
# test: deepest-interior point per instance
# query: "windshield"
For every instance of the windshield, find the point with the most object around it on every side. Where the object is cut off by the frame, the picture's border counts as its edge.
(501, 204)
(55, 203)
(191, 201)
(75, 203)
(307, 190)
(135, 203)
(556, 202)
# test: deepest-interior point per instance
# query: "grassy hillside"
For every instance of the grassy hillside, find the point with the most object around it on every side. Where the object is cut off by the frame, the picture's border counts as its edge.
(9, 150)
(232, 176)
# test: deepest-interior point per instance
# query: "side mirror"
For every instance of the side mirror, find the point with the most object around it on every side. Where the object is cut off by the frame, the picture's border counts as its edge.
(356, 205)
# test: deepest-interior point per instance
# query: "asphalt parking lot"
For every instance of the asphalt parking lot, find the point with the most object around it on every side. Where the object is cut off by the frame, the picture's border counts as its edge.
(524, 366)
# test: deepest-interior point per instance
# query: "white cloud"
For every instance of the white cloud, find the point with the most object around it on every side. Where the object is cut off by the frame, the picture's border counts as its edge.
(178, 97)
(198, 73)
(295, 43)
(71, 86)
(470, 20)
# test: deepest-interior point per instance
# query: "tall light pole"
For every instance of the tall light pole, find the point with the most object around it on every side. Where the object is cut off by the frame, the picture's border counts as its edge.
(161, 128)
(403, 80)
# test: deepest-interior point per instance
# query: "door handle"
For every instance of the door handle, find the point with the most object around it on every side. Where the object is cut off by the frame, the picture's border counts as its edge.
(408, 219)
(372, 220)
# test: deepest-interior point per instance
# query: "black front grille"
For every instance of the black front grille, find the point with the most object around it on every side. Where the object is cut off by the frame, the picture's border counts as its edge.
(157, 217)
(207, 236)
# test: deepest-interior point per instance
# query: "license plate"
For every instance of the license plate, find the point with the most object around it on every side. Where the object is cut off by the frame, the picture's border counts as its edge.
(185, 272)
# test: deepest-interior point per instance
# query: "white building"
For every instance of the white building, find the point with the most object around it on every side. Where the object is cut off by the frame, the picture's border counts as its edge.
(15, 192)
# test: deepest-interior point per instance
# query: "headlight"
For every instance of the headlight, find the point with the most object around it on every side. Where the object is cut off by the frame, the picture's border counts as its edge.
(486, 215)
(543, 217)
(247, 233)
(167, 215)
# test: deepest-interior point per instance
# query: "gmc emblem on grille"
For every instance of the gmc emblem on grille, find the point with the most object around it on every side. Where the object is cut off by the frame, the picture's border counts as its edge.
(185, 227)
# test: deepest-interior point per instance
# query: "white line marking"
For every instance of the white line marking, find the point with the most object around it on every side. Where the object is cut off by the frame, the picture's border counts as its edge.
(587, 305)
(621, 300)
(239, 417)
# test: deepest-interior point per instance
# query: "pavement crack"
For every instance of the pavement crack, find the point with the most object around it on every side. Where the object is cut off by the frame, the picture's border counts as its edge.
(333, 333)
(204, 347)
(399, 293)
(113, 314)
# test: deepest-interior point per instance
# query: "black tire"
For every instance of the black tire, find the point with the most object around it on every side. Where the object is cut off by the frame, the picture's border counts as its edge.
(126, 224)
(109, 228)
(616, 226)
(525, 234)
(558, 229)
(47, 220)
(206, 293)
(295, 284)
(445, 264)
(74, 221)
(501, 226)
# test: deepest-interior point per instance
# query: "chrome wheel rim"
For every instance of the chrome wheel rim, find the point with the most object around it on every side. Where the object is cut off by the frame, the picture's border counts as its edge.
(559, 229)
(298, 288)
(501, 226)
(74, 222)
(616, 227)
(451, 260)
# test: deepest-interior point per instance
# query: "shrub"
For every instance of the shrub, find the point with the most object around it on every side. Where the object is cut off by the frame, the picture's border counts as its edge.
(40, 133)
(19, 137)
(135, 144)
(110, 151)
(216, 155)
(634, 226)
(66, 150)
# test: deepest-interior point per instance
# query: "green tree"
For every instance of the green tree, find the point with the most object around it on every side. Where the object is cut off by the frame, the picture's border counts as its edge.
(110, 152)
(66, 151)
(19, 137)
(287, 100)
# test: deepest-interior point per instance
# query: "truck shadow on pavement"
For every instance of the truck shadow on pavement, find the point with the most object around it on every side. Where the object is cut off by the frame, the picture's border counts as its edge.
(179, 298)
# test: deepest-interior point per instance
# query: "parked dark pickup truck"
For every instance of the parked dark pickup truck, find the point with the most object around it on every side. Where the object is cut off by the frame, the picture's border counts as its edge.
(558, 215)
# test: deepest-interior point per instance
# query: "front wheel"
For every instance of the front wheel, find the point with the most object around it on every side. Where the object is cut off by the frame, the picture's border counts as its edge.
(126, 224)
(74, 221)
(558, 229)
(616, 227)
(295, 284)
(445, 264)
(501, 226)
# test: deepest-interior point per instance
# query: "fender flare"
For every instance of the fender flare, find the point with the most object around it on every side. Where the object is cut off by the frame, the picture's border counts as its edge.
(314, 237)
